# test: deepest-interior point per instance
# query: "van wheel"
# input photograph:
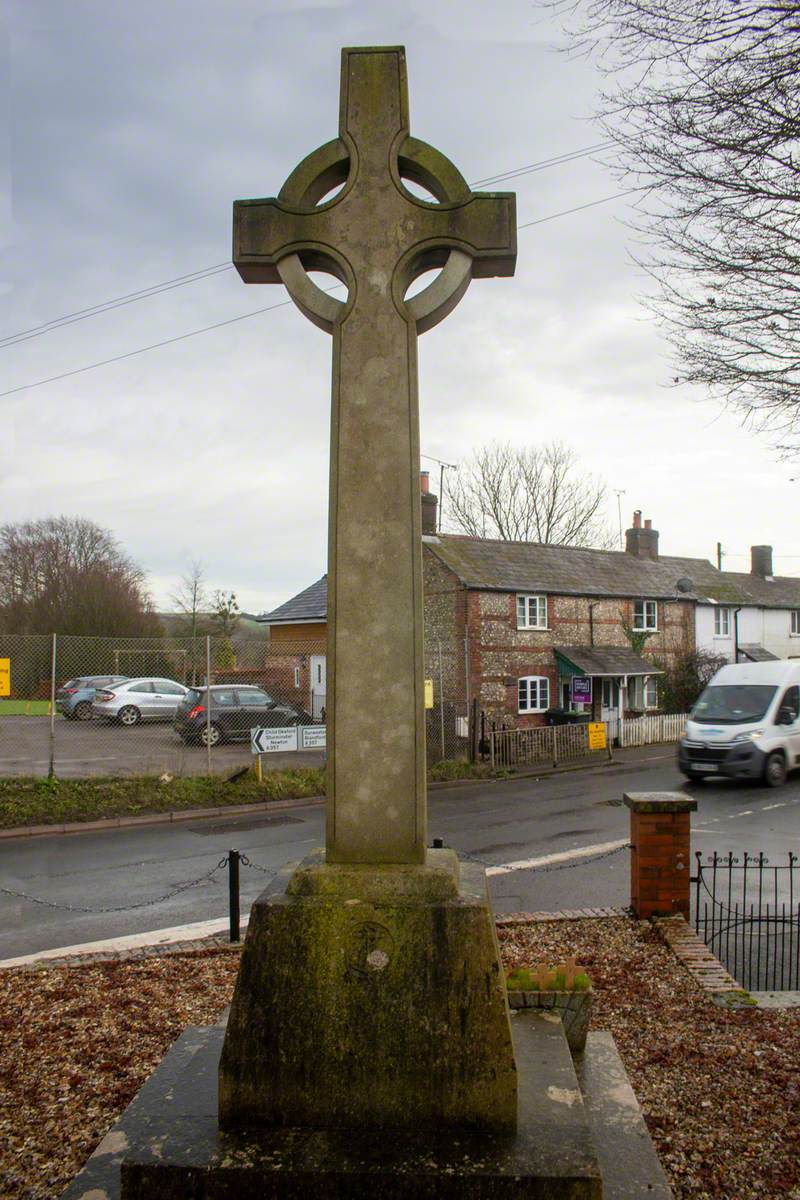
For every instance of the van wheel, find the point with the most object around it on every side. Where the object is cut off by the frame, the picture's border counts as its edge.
(775, 770)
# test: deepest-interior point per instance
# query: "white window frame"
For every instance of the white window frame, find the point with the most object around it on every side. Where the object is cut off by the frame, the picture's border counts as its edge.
(650, 685)
(722, 627)
(641, 621)
(297, 677)
(796, 622)
(539, 692)
(531, 612)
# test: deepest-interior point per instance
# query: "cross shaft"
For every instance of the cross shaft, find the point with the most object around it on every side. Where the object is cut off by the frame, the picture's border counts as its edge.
(376, 237)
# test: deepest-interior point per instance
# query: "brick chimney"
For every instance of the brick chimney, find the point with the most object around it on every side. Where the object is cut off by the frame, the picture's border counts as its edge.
(429, 504)
(639, 541)
(761, 561)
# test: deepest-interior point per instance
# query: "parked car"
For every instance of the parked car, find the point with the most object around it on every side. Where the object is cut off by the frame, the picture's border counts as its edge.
(74, 698)
(139, 700)
(235, 710)
(746, 724)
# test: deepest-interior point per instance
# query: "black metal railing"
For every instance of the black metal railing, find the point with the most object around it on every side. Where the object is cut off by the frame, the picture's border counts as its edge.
(747, 911)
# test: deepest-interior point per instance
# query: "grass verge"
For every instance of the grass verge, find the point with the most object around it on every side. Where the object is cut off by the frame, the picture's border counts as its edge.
(24, 708)
(52, 802)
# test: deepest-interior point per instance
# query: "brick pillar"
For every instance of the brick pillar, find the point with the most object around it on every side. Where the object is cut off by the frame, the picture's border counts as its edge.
(660, 849)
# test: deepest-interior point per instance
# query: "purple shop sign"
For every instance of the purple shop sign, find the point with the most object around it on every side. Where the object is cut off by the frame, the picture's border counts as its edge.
(581, 692)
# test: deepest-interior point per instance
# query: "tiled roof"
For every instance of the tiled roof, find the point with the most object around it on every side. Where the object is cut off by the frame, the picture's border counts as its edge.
(310, 605)
(567, 570)
(606, 660)
(757, 653)
(778, 591)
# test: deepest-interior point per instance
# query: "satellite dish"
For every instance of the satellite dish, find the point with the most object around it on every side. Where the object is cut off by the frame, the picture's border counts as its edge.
(684, 584)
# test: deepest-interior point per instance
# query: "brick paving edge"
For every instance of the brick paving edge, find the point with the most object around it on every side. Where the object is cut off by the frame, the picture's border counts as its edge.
(704, 967)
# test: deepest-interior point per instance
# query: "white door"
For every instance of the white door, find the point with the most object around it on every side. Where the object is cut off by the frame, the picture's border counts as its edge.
(609, 710)
(319, 675)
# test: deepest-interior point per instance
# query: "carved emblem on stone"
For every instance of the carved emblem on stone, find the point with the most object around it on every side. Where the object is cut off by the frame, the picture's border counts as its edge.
(369, 949)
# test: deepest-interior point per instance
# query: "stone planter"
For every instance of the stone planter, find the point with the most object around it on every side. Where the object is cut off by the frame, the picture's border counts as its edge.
(574, 1009)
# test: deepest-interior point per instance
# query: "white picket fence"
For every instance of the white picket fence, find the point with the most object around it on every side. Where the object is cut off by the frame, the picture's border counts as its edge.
(646, 731)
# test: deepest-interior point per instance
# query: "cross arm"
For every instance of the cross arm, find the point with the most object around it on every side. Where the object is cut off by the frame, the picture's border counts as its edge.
(485, 228)
(266, 231)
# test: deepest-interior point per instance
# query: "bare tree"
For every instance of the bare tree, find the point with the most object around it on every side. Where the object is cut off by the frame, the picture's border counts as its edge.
(191, 600)
(68, 575)
(529, 494)
(702, 103)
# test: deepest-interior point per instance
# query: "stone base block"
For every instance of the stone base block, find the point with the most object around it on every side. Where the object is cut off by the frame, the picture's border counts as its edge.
(371, 997)
(168, 1144)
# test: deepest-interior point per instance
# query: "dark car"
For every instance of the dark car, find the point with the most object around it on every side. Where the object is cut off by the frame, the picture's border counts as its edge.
(74, 698)
(235, 710)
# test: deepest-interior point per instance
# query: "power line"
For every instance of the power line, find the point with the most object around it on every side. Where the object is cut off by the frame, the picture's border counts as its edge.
(556, 161)
(83, 314)
(566, 212)
(257, 312)
(167, 285)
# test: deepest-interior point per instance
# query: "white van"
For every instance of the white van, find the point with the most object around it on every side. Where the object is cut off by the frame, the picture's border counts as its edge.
(746, 724)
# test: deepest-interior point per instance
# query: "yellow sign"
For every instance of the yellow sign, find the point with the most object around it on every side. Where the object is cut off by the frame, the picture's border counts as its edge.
(5, 676)
(597, 736)
(428, 693)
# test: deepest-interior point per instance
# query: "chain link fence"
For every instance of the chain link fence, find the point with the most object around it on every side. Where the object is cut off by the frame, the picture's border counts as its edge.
(448, 719)
(116, 706)
(89, 706)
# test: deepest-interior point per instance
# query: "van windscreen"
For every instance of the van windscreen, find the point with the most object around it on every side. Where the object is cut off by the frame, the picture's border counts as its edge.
(737, 704)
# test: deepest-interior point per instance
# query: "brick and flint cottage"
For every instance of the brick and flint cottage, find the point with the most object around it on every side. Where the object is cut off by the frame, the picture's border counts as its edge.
(556, 626)
(522, 627)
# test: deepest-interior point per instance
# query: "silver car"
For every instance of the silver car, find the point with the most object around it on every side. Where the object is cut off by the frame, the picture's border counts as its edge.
(139, 700)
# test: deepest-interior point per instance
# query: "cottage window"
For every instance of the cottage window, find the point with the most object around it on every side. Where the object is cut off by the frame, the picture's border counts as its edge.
(722, 622)
(796, 621)
(645, 615)
(531, 612)
(651, 692)
(534, 693)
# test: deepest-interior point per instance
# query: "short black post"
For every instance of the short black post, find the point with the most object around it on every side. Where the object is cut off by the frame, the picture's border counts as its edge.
(233, 892)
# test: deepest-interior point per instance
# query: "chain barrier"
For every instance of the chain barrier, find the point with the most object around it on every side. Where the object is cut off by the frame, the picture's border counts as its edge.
(244, 861)
(176, 891)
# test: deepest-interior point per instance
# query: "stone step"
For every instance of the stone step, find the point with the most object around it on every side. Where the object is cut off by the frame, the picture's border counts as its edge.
(627, 1157)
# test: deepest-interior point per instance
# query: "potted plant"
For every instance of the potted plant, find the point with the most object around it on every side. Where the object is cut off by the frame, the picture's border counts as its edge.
(564, 990)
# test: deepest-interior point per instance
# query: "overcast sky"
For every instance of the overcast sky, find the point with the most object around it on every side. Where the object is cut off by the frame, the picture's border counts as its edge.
(134, 127)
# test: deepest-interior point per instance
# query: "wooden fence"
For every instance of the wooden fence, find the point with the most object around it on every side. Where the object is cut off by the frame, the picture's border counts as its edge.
(645, 731)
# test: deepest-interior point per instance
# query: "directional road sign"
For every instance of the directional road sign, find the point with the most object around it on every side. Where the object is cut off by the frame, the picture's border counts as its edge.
(270, 741)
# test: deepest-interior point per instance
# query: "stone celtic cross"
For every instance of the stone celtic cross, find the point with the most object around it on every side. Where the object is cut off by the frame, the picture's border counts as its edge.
(376, 237)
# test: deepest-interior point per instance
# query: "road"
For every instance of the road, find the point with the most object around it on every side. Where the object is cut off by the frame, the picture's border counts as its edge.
(499, 822)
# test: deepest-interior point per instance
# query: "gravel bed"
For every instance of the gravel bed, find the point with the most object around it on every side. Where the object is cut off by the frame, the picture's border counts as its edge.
(720, 1090)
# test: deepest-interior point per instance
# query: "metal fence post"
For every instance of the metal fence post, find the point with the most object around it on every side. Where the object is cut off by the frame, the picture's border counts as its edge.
(441, 699)
(233, 893)
(51, 770)
(208, 704)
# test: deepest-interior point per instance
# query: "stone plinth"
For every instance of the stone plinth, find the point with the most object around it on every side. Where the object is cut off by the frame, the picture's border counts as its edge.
(660, 853)
(371, 997)
(168, 1145)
